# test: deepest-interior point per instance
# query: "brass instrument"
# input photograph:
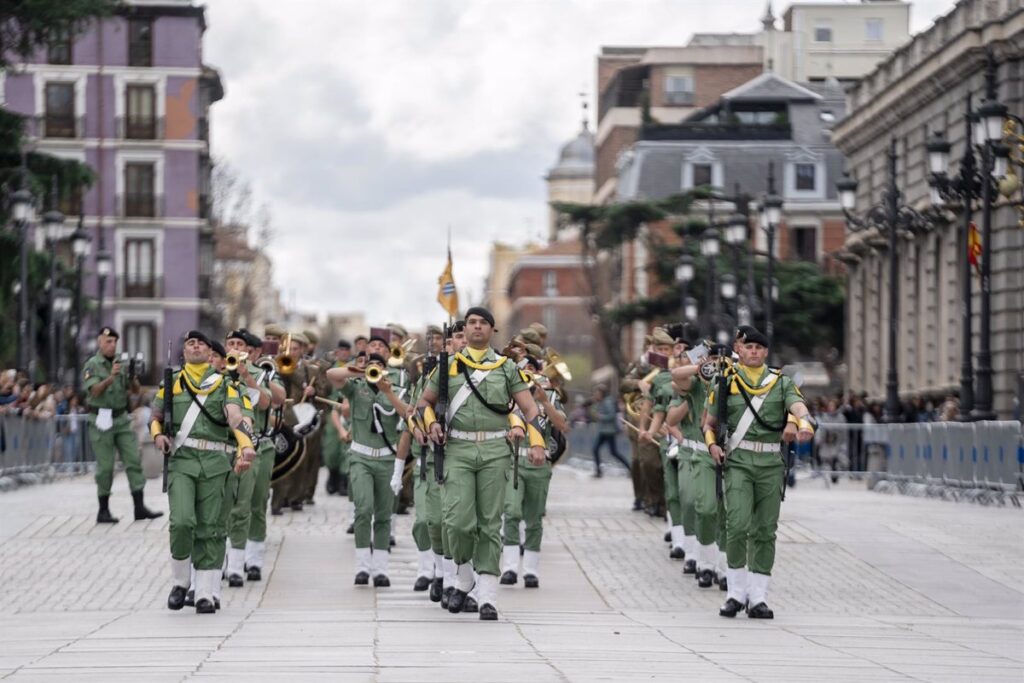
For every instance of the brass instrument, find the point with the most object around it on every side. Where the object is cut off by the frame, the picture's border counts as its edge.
(399, 352)
(558, 366)
(374, 373)
(284, 361)
(635, 399)
(235, 359)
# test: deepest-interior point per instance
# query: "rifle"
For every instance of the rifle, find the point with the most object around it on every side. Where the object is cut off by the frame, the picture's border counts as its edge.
(721, 414)
(167, 418)
(442, 405)
(515, 463)
(788, 458)
(428, 366)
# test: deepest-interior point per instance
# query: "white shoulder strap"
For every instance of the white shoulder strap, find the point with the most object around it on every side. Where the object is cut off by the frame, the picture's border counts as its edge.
(747, 419)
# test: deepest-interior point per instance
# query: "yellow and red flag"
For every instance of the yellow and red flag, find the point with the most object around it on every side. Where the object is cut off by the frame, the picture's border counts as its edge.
(974, 248)
(447, 295)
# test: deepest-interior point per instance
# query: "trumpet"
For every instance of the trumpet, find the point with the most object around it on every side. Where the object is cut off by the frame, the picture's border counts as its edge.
(374, 373)
(634, 399)
(284, 361)
(234, 360)
(558, 367)
(399, 353)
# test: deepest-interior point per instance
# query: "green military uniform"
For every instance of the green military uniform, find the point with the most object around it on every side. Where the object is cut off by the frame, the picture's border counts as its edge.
(709, 523)
(662, 394)
(426, 528)
(476, 467)
(371, 463)
(111, 409)
(527, 504)
(754, 472)
(197, 471)
(684, 479)
(648, 473)
(335, 451)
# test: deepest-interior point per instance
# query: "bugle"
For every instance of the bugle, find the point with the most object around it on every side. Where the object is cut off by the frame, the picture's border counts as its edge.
(284, 360)
(235, 359)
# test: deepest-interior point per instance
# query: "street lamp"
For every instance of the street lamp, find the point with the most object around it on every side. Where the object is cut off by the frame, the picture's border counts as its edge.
(21, 211)
(103, 260)
(728, 286)
(685, 272)
(80, 248)
(61, 307)
(690, 309)
(771, 217)
(53, 223)
(710, 246)
(888, 219)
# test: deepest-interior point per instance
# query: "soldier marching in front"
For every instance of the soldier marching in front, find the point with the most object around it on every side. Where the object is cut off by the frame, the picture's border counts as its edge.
(481, 386)
(757, 403)
(206, 412)
(107, 384)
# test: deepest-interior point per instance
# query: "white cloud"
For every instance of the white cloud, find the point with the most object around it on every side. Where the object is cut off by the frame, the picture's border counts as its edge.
(334, 106)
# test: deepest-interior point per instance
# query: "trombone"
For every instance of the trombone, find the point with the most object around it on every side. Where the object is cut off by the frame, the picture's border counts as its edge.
(558, 366)
(399, 353)
(635, 399)
(234, 359)
(374, 373)
(284, 361)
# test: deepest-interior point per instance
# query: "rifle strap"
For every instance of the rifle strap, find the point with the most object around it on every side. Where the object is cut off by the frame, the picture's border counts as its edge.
(195, 399)
(497, 409)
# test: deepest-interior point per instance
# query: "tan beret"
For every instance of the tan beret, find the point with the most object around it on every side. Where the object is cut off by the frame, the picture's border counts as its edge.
(541, 330)
(312, 337)
(530, 335)
(535, 351)
(299, 337)
(274, 330)
(660, 336)
(398, 329)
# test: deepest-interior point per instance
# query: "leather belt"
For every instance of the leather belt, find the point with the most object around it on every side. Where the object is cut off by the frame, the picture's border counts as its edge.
(114, 412)
(207, 445)
(475, 436)
(361, 449)
(758, 446)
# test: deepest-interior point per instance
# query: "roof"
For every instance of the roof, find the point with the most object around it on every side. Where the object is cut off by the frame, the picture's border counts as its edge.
(770, 86)
(576, 158)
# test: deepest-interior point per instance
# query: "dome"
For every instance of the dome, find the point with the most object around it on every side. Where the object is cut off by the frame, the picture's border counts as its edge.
(576, 158)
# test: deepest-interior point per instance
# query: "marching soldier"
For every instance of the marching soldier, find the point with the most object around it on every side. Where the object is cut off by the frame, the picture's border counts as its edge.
(375, 472)
(207, 411)
(289, 490)
(107, 387)
(757, 404)
(314, 369)
(426, 492)
(335, 450)
(481, 386)
(528, 501)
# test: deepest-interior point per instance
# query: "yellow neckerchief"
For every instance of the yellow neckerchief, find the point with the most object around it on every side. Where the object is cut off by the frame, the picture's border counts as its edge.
(754, 373)
(476, 361)
(193, 374)
(477, 354)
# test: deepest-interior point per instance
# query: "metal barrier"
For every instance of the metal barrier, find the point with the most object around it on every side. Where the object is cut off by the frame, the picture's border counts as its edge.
(33, 450)
(981, 462)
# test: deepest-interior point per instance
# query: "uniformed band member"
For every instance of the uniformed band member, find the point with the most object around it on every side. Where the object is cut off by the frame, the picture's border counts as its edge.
(426, 491)
(107, 386)
(336, 435)
(374, 471)
(758, 401)
(481, 388)
(527, 502)
(207, 415)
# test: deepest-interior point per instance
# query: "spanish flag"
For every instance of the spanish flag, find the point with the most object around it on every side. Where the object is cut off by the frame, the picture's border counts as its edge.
(447, 296)
(974, 248)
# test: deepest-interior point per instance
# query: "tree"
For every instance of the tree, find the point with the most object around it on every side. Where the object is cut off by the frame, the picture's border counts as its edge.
(26, 25)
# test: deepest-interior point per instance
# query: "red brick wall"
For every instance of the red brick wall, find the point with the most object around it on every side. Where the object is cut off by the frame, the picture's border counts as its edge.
(712, 80)
(608, 152)
(529, 281)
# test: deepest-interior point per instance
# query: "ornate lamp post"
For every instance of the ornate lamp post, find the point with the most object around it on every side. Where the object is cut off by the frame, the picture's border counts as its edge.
(53, 222)
(685, 272)
(22, 212)
(771, 217)
(80, 248)
(710, 246)
(103, 260)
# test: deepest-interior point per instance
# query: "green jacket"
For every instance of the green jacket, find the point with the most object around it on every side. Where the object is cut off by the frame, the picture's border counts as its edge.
(97, 369)
(778, 400)
(374, 419)
(497, 388)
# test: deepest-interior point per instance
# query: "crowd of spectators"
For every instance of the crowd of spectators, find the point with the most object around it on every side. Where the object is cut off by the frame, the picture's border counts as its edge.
(41, 402)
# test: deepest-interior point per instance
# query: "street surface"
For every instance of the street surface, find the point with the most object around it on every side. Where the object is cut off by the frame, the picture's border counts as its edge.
(867, 587)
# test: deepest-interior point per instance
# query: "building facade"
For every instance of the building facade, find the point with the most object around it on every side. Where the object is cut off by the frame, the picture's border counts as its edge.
(130, 97)
(922, 88)
(243, 284)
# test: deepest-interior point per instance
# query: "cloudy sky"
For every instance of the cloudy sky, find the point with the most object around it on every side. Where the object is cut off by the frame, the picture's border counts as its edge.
(370, 127)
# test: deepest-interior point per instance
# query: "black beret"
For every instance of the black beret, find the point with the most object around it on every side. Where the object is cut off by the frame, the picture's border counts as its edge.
(458, 326)
(109, 332)
(749, 335)
(218, 348)
(381, 339)
(237, 334)
(482, 312)
(252, 339)
(344, 344)
(742, 331)
(196, 334)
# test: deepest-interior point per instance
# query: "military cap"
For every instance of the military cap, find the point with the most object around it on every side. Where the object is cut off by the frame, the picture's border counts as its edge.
(398, 329)
(534, 350)
(196, 334)
(530, 336)
(311, 337)
(109, 332)
(344, 344)
(251, 339)
(660, 336)
(218, 348)
(540, 329)
(274, 330)
(482, 312)
(300, 337)
(752, 336)
(433, 329)
(458, 326)
(238, 334)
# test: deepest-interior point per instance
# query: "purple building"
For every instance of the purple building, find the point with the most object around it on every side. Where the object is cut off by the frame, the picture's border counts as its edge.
(130, 97)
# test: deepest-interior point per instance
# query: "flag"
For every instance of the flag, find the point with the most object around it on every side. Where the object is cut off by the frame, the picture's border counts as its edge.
(446, 294)
(974, 248)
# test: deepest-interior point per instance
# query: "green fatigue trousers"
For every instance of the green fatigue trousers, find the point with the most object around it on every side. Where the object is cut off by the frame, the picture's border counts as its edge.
(195, 491)
(527, 503)
(331, 447)
(652, 474)
(426, 528)
(305, 485)
(473, 497)
(120, 438)
(635, 473)
(753, 489)
(686, 492)
(710, 511)
(370, 485)
(262, 469)
(670, 479)
(237, 512)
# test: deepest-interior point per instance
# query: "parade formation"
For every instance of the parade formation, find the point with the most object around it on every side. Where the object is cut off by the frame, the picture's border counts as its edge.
(466, 435)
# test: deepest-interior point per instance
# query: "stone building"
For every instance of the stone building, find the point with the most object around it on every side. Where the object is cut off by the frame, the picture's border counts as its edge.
(923, 88)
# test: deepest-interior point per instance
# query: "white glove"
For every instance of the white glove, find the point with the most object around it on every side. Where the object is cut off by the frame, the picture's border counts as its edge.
(396, 476)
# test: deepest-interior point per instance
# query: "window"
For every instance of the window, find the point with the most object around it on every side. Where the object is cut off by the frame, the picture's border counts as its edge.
(60, 110)
(139, 190)
(823, 33)
(70, 203)
(58, 47)
(679, 90)
(140, 123)
(702, 175)
(550, 283)
(873, 30)
(759, 118)
(805, 177)
(550, 315)
(141, 338)
(803, 244)
(140, 42)
(139, 261)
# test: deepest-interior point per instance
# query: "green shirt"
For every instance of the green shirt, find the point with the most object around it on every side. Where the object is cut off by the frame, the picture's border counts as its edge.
(97, 369)
(369, 408)
(778, 400)
(497, 388)
(695, 398)
(260, 416)
(662, 392)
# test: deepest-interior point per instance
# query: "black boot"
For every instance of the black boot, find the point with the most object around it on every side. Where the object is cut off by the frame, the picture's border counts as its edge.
(205, 606)
(531, 581)
(723, 583)
(351, 528)
(638, 505)
(760, 611)
(235, 581)
(436, 588)
(446, 596)
(296, 506)
(422, 584)
(342, 484)
(470, 606)
(391, 541)
(508, 578)
(381, 581)
(457, 601)
(253, 574)
(176, 600)
(190, 598)
(104, 516)
(677, 553)
(488, 613)
(332, 482)
(668, 537)
(690, 567)
(362, 578)
(705, 578)
(731, 608)
(141, 511)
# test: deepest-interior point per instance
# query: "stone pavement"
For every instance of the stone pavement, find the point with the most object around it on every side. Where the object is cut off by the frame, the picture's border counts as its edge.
(866, 587)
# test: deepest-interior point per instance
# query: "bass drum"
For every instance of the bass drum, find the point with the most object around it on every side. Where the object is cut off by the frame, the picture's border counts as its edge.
(289, 452)
(557, 446)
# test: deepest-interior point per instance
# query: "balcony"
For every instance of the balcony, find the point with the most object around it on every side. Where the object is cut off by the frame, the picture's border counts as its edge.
(204, 206)
(140, 128)
(56, 126)
(203, 126)
(141, 205)
(140, 287)
(682, 98)
(716, 131)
